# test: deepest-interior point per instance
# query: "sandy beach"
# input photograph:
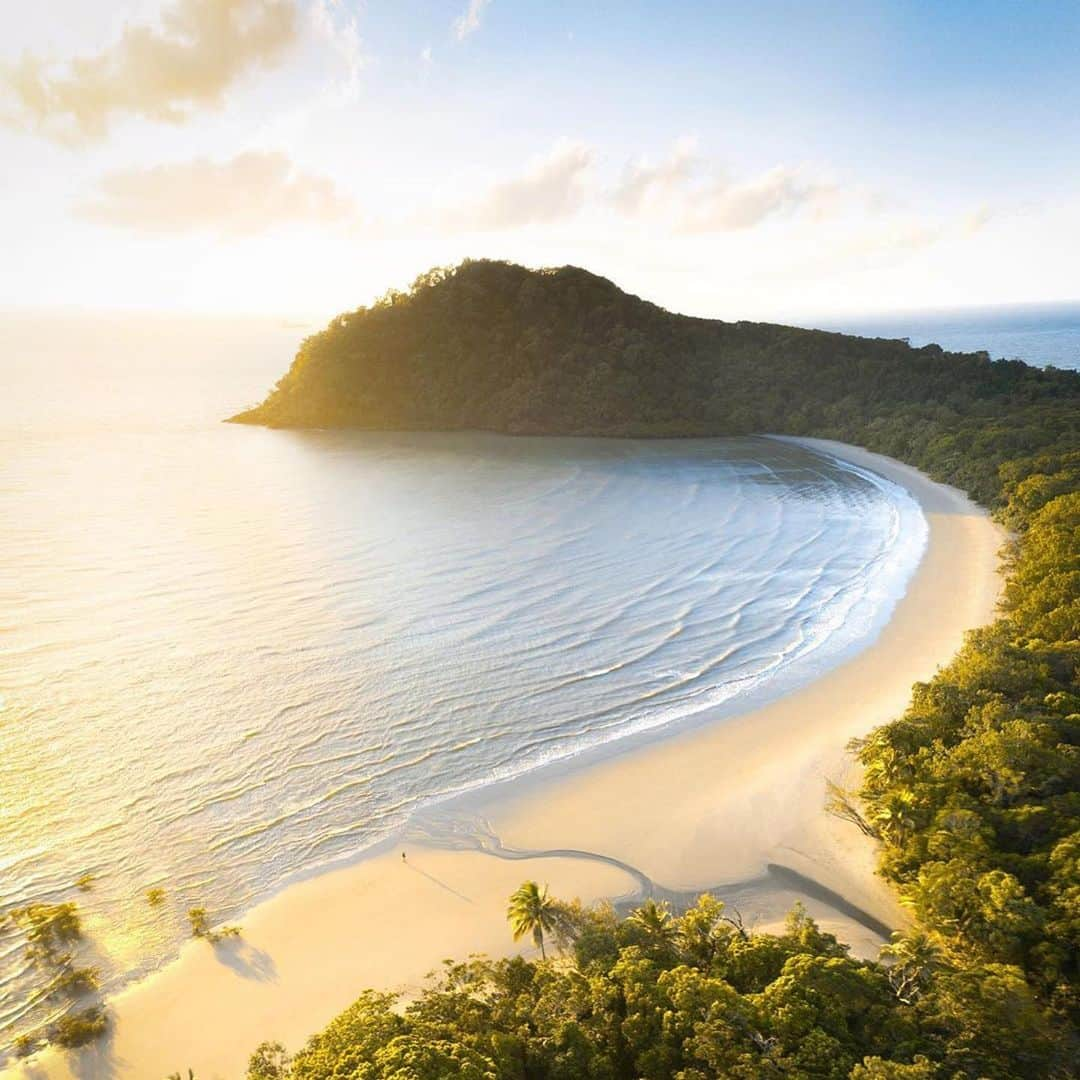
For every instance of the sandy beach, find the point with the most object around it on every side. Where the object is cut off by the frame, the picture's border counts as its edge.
(735, 807)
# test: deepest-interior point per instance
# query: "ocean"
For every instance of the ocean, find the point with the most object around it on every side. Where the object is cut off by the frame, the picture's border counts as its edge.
(1039, 334)
(231, 656)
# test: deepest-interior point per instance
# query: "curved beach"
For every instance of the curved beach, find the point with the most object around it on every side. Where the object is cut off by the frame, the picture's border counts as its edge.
(735, 807)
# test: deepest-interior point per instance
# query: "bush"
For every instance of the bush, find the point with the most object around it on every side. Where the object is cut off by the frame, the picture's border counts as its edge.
(74, 981)
(48, 927)
(79, 1028)
(200, 927)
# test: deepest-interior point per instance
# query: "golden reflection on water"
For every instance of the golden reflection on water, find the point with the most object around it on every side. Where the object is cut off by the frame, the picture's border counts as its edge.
(229, 655)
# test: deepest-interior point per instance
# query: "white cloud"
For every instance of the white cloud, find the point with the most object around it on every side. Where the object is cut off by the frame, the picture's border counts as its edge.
(673, 192)
(248, 194)
(468, 21)
(551, 189)
(162, 73)
(338, 31)
(780, 192)
(643, 184)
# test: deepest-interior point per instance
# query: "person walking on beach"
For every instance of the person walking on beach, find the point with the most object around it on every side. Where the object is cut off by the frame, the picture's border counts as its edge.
(403, 856)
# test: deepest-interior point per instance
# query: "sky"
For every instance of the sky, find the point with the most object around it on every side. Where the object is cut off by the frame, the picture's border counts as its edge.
(295, 158)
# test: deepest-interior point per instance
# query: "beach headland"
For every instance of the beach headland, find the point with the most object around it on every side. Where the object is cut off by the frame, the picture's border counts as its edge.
(735, 807)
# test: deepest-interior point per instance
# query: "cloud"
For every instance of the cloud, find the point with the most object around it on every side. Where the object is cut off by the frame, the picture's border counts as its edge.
(673, 191)
(678, 192)
(163, 73)
(335, 29)
(642, 183)
(779, 192)
(248, 194)
(468, 21)
(551, 189)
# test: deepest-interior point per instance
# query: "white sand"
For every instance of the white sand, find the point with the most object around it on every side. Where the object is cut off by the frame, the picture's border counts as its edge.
(711, 807)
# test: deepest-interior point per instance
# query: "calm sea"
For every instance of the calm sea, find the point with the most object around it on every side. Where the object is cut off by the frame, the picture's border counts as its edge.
(229, 655)
(1039, 334)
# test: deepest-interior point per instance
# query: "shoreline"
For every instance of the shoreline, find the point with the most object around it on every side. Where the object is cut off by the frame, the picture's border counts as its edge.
(731, 806)
(713, 807)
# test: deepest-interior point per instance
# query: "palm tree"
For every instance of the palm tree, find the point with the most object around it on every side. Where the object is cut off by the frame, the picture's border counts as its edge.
(914, 958)
(655, 924)
(892, 817)
(532, 911)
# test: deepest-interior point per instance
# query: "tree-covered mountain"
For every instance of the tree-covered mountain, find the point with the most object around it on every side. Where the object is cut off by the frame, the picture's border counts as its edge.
(973, 794)
(494, 346)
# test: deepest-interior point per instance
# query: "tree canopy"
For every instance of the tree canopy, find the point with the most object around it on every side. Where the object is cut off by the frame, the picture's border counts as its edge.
(663, 997)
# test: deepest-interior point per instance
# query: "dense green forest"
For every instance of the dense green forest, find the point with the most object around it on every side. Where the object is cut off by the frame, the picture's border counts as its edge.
(691, 997)
(973, 792)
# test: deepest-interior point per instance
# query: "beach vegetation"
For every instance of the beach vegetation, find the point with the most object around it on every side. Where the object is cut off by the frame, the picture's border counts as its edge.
(73, 981)
(652, 928)
(843, 804)
(690, 997)
(532, 912)
(270, 1061)
(24, 1045)
(53, 932)
(155, 897)
(199, 921)
(49, 928)
(975, 786)
(80, 1028)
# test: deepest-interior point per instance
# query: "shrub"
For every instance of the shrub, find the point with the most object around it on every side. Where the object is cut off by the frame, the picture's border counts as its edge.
(79, 1028)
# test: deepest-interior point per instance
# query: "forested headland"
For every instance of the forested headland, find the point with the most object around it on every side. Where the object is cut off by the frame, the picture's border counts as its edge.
(974, 793)
(496, 347)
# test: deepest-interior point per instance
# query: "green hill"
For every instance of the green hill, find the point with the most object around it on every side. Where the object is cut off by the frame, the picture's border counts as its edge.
(497, 347)
(973, 794)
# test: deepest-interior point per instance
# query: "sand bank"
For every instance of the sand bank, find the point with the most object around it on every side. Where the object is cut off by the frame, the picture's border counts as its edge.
(735, 806)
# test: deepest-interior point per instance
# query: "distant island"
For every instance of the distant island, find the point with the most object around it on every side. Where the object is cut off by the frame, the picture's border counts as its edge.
(497, 347)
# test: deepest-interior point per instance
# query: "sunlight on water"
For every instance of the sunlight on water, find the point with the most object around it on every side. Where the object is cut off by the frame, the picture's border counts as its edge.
(230, 655)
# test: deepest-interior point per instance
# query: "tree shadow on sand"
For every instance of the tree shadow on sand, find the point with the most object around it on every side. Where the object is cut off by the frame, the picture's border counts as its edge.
(98, 1061)
(246, 960)
(466, 832)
